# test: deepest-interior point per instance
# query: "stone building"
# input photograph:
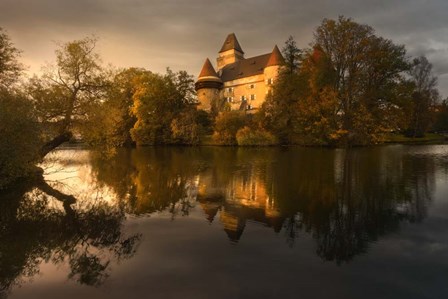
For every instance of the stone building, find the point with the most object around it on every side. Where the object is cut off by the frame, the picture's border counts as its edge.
(242, 82)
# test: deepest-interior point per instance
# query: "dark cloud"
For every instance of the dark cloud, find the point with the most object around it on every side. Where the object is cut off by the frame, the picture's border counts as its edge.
(180, 34)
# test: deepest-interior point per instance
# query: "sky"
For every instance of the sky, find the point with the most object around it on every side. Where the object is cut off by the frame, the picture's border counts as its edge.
(180, 34)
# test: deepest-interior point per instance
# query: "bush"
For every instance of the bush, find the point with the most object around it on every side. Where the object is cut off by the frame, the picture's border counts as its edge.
(227, 125)
(19, 138)
(250, 137)
(184, 129)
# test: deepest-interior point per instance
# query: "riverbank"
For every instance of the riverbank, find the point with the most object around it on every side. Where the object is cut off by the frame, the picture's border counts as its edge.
(392, 138)
(429, 138)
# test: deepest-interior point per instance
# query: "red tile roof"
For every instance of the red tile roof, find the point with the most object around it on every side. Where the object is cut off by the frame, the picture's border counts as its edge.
(231, 43)
(208, 70)
(276, 58)
(245, 68)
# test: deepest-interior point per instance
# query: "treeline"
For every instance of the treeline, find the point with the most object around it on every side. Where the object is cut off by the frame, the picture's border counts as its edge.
(351, 87)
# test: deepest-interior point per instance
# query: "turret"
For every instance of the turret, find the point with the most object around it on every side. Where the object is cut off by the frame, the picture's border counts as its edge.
(272, 68)
(230, 51)
(208, 86)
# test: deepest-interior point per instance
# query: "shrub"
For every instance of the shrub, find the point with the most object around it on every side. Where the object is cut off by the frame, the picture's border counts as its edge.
(250, 137)
(227, 125)
(19, 138)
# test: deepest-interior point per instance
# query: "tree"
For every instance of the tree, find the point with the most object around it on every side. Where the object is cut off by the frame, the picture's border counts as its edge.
(19, 131)
(110, 121)
(279, 113)
(161, 105)
(367, 70)
(441, 117)
(227, 125)
(10, 67)
(19, 137)
(292, 55)
(424, 97)
(317, 110)
(65, 91)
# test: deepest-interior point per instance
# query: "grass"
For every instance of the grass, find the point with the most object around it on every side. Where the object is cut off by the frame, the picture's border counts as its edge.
(428, 138)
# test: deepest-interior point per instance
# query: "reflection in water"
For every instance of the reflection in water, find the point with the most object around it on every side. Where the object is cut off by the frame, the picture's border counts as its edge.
(36, 228)
(344, 200)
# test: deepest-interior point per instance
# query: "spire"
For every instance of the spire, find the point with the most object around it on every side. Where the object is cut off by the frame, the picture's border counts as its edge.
(231, 43)
(276, 58)
(208, 70)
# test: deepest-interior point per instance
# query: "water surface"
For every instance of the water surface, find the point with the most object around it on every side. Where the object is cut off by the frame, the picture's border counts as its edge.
(213, 222)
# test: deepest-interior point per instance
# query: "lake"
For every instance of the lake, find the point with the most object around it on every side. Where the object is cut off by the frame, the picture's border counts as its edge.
(218, 222)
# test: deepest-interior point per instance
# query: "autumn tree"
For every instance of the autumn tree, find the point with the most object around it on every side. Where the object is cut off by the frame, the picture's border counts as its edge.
(279, 113)
(19, 130)
(441, 117)
(292, 55)
(63, 94)
(227, 124)
(109, 122)
(10, 67)
(164, 108)
(367, 70)
(424, 97)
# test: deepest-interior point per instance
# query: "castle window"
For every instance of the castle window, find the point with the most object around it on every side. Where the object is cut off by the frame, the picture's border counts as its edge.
(252, 97)
(270, 81)
(251, 86)
(230, 90)
(243, 98)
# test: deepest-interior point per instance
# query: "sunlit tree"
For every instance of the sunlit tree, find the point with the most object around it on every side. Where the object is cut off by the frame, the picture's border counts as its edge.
(65, 91)
(19, 130)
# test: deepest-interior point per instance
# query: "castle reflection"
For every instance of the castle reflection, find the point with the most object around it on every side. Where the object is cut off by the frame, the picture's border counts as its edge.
(241, 200)
(343, 199)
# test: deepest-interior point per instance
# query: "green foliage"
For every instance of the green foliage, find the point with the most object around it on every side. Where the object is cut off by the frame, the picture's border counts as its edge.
(10, 68)
(160, 105)
(441, 117)
(347, 90)
(19, 131)
(185, 129)
(66, 90)
(367, 68)
(109, 122)
(227, 125)
(292, 55)
(19, 137)
(279, 113)
(251, 137)
(423, 98)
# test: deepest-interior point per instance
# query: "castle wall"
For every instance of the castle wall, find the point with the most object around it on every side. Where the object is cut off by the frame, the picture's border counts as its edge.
(206, 96)
(253, 89)
(228, 57)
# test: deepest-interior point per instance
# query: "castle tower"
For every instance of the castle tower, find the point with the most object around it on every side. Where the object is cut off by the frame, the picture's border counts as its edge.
(230, 51)
(208, 86)
(272, 68)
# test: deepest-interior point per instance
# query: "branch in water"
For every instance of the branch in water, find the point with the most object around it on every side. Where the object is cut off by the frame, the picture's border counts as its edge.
(54, 143)
(67, 200)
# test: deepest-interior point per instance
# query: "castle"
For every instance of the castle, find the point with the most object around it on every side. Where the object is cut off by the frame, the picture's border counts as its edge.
(242, 82)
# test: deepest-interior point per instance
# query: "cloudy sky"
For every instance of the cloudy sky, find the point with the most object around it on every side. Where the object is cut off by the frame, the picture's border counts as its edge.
(180, 34)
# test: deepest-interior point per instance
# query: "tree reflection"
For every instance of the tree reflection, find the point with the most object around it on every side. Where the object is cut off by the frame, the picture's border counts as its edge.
(344, 199)
(151, 179)
(39, 224)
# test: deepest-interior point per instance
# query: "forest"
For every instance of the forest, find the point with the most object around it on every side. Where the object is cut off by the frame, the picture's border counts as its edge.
(350, 87)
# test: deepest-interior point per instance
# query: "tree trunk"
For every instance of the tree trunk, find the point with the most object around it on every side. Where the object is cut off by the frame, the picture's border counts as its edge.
(54, 143)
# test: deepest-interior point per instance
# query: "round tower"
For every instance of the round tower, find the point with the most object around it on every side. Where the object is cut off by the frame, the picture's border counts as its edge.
(273, 66)
(208, 86)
